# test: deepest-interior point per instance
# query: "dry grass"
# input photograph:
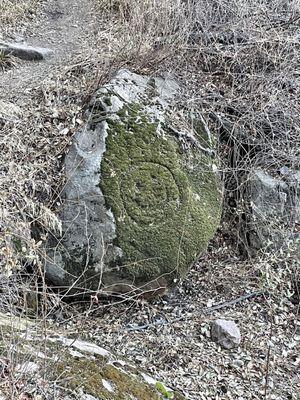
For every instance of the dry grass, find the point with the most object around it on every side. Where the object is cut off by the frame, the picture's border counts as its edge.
(13, 11)
(143, 34)
(6, 61)
(238, 62)
(32, 142)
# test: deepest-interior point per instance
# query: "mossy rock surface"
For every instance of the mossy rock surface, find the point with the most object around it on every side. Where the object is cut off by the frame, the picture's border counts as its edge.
(147, 192)
(69, 368)
(166, 204)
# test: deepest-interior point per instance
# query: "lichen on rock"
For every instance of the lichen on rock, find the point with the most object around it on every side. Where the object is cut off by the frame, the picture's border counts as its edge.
(140, 207)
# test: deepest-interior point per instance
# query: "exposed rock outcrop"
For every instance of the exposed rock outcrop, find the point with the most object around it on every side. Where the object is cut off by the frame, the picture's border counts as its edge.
(46, 363)
(141, 199)
(275, 208)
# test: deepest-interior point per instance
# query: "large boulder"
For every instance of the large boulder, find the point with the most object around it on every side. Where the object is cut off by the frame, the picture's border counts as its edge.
(44, 362)
(142, 198)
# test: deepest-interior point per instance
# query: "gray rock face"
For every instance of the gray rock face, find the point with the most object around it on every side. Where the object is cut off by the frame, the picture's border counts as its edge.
(25, 52)
(226, 333)
(91, 226)
(141, 200)
(275, 208)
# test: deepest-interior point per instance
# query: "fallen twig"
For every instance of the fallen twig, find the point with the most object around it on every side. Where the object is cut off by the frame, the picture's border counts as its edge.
(232, 302)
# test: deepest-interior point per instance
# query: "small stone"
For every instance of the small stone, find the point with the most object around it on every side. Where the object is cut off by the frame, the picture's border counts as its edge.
(149, 379)
(107, 385)
(284, 170)
(87, 347)
(238, 363)
(86, 396)
(226, 333)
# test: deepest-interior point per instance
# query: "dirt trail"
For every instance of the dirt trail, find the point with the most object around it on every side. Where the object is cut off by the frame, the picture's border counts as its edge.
(68, 27)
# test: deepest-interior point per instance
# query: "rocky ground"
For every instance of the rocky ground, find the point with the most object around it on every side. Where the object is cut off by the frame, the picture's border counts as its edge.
(170, 337)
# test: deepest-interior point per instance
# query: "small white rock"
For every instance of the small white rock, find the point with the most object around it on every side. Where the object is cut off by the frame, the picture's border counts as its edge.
(87, 347)
(107, 385)
(226, 333)
(149, 379)
(85, 396)
(75, 353)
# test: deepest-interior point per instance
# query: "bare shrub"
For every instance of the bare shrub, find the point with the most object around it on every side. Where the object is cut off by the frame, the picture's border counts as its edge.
(144, 33)
(6, 61)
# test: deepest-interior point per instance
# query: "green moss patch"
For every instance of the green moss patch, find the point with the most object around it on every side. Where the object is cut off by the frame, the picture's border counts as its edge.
(88, 375)
(166, 203)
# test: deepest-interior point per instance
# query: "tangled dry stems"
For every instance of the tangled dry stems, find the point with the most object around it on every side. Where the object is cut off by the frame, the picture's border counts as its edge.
(6, 61)
(238, 64)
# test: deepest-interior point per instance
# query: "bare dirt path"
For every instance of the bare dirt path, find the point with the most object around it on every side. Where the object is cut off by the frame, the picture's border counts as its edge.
(68, 27)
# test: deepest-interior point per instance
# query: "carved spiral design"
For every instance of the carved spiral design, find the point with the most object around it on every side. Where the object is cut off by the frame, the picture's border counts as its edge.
(150, 190)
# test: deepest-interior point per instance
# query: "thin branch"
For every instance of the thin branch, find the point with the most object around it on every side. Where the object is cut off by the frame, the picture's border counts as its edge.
(268, 363)
(209, 310)
(206, 310)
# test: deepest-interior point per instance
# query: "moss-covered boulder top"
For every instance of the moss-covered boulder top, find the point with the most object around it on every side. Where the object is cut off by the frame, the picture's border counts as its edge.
(142, 199)
(42, 362)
